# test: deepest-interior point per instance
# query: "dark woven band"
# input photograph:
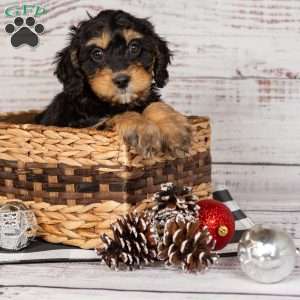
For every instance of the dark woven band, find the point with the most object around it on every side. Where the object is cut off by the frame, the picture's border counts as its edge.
(63, 184)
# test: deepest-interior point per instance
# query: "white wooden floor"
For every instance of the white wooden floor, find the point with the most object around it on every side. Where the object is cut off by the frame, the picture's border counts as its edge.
(224, 281)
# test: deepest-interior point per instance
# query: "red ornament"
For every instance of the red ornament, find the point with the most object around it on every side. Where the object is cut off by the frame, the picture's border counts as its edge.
(219, 220)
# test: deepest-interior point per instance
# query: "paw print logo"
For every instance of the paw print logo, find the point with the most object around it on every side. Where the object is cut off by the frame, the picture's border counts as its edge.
(22, 34)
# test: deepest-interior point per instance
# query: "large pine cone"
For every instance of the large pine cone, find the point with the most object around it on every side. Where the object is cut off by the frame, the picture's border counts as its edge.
(133, 243)
(170, 201)
(184, 245)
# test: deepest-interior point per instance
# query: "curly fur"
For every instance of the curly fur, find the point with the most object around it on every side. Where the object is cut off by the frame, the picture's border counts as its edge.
(84, 100)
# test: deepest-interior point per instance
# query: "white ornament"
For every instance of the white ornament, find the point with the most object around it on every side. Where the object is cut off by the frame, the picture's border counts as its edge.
(18, 225)
(266, 254)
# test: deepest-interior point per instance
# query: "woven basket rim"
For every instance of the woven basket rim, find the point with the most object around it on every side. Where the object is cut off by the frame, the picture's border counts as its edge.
(38, 127)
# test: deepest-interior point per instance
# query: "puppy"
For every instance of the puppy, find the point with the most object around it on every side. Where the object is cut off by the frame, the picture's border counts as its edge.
(111, 72)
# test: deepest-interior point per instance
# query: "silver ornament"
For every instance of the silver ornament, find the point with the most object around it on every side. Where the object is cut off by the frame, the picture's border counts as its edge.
(18, 225)
(266, 254)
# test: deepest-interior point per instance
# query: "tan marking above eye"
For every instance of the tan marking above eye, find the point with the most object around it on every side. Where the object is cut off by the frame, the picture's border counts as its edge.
(130, 34)
(101, 41)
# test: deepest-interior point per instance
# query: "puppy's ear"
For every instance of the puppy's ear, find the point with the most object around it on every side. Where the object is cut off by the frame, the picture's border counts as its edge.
(162, 54)
(162, 60)
(68, 71)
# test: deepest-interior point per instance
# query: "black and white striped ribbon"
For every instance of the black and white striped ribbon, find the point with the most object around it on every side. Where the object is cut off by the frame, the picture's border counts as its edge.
(242, 222)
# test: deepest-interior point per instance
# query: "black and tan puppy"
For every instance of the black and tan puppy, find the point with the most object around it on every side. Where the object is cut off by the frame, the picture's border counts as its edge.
(112, 71)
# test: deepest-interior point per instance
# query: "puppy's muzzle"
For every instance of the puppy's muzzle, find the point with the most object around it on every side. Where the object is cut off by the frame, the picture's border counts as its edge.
(121, 81)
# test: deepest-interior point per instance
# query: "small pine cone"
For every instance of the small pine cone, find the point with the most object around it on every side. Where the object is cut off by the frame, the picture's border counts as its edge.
(180, 198)
(170, 201)
(184, 245)
(133, 243)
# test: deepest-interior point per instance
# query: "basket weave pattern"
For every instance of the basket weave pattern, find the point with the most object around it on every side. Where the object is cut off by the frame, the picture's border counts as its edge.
(79, 181)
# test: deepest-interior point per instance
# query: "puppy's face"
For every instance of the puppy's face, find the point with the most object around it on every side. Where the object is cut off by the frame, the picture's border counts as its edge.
(119, 57)
(118, 65)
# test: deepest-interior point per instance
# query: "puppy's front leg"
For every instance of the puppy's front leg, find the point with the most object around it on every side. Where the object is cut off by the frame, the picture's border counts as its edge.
(174, 127)
(137, 132)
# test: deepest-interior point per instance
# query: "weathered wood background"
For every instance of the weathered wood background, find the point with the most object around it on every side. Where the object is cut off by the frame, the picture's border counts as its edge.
(236, 61)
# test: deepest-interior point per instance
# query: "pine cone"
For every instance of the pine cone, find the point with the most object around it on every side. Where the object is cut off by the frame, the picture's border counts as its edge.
(184, 245)
(133, 243)
(170, 201)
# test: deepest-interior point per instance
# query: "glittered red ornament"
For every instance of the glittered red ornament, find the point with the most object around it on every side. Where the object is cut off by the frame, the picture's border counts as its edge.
(219, 220)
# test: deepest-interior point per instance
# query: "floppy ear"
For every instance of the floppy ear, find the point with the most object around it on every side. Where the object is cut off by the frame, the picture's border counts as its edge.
(68, 72)
(162, 60)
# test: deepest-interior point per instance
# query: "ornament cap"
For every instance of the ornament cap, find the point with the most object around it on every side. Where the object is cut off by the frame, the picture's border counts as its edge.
(223, 231)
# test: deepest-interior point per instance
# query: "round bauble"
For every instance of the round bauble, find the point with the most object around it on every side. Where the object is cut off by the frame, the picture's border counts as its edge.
(18, 225)
(267, 255)
(219, 221)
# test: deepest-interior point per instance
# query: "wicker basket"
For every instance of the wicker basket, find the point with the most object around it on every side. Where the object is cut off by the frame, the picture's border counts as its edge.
(78, 181)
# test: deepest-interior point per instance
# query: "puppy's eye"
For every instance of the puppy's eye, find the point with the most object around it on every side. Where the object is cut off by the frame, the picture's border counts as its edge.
(97, 54)
(134, 48)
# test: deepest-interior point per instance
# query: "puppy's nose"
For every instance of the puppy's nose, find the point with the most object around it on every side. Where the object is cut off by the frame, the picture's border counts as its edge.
(121, 81)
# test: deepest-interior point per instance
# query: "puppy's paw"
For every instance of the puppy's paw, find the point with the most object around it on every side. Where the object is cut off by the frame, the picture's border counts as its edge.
(174, 127)
(148, 139)
(138, 132)
(176, 134)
